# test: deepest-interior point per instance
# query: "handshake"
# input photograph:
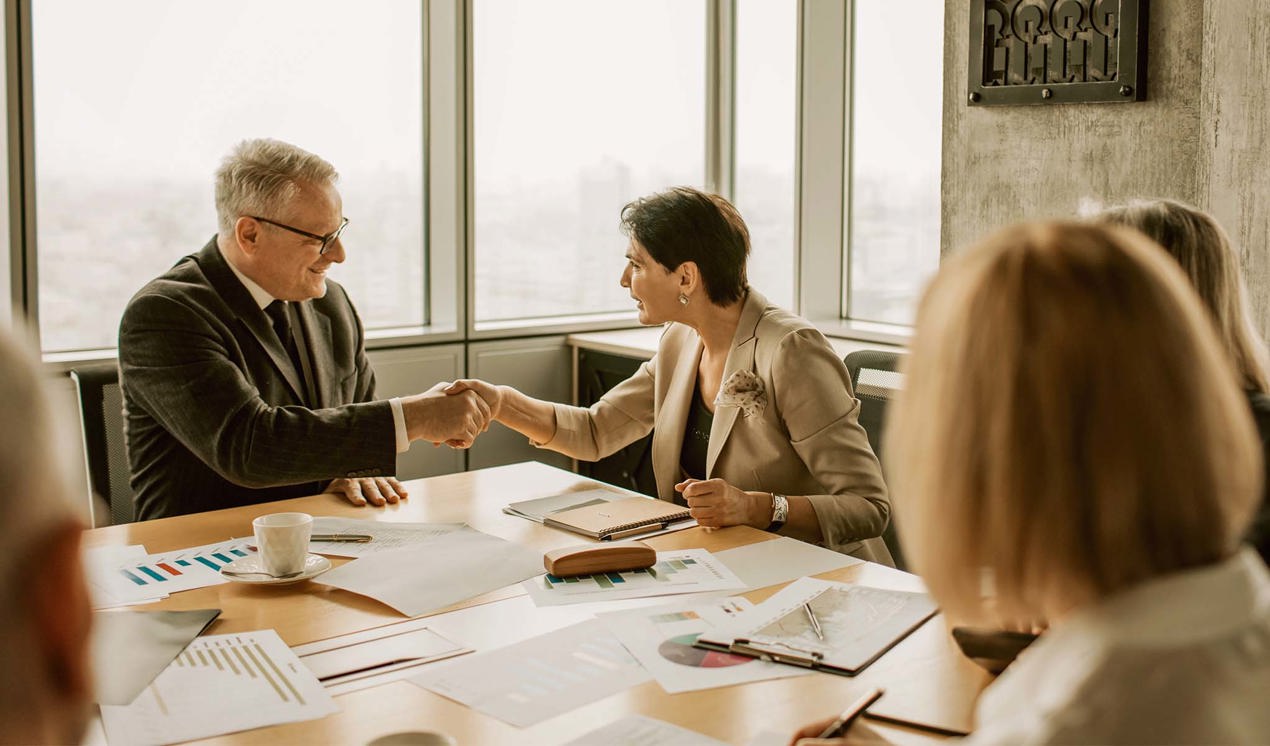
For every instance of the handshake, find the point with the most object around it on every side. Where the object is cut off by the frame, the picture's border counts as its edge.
(452, 413)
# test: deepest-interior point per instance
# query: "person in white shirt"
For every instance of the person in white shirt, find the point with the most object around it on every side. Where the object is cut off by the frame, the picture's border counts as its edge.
(1073, 445)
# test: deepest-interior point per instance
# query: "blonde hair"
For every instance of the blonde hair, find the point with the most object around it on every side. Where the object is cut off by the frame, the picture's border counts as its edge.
(259, 177)
(1069, 424)
(1200, 246)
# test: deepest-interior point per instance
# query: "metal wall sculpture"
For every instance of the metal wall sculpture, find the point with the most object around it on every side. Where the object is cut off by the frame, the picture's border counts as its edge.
(1057, 51)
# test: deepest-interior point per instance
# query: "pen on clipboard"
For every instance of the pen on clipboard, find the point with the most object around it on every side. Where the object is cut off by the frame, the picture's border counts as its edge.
(842, 723)
(355, 538)
(815, 623)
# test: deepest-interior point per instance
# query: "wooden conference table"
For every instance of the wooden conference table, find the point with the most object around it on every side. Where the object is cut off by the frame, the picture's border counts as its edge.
(925, 677)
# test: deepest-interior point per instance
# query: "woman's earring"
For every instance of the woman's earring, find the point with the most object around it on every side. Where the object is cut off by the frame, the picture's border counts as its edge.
(683, 299)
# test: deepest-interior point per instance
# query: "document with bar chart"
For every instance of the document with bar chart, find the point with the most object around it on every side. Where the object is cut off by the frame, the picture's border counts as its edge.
(678, 571)
(185, 569)
(221, 684)
(542, 677)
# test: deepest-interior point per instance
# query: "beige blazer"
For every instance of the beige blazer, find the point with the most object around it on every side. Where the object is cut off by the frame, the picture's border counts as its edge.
(805, 439)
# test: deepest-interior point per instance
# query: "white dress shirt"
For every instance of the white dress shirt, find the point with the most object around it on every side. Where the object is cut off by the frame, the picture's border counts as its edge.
(1181, 659)
(263, 299)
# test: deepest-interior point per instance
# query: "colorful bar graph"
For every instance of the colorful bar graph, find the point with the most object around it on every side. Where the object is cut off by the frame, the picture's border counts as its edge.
(187, 568)
(151, 573)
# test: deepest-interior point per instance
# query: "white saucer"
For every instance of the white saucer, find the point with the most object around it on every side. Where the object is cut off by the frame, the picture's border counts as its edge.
(314, 565)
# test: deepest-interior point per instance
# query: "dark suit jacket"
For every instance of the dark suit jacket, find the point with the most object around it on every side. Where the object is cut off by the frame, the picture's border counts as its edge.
(213, 404)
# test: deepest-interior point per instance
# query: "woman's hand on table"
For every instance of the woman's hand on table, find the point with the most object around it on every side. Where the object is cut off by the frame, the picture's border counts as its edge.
(715, 503)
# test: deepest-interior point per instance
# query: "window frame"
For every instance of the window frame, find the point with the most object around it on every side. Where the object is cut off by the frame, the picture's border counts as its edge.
(822, 178)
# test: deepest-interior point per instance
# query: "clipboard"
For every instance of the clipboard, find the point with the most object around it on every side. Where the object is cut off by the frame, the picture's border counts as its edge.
(857, 625)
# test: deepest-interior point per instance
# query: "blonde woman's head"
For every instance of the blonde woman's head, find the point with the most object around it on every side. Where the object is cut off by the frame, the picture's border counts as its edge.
(1069, 426)
(1195, 240)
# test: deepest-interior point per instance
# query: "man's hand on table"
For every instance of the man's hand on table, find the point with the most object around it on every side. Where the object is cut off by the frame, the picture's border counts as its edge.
(378, 491)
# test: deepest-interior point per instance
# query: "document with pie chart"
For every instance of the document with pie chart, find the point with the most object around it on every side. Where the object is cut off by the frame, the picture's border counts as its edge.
(661, 638)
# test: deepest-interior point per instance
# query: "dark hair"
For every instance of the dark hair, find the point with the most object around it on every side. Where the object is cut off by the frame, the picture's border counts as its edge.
(687, 225)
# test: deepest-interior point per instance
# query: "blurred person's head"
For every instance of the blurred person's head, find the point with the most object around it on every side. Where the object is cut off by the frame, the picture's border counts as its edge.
(1200, 246)
(280, 217)
(685, 246)
(1069, 427)
(45, 613)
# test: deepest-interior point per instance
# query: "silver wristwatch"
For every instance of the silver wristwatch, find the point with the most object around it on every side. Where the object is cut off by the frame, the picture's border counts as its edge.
(780, 512)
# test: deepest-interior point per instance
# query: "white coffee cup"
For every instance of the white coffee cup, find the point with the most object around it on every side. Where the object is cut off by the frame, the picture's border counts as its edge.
(283, 541)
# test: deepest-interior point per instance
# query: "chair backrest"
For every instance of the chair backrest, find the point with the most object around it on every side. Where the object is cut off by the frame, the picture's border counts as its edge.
(876, 380)
(105, 453)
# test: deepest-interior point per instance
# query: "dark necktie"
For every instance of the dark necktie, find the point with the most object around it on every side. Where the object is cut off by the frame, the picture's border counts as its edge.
(281, 318)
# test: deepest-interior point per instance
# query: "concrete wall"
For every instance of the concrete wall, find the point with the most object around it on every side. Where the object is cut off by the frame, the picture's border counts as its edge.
(1235, 132)
(1200, 137)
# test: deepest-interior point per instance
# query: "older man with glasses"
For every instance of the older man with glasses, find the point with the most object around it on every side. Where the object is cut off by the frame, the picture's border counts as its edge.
(244, 369)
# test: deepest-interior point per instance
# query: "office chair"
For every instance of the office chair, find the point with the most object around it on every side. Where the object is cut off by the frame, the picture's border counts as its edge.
(105, 456)
(876, 380)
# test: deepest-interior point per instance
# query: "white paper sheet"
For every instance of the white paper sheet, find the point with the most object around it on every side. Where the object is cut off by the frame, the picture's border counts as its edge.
(677, 571)
(661, 638)
(782, 559)
(384, 536)
(221, 684)
(107, 585)
(638, 730)
(540, 678)
(441, 571)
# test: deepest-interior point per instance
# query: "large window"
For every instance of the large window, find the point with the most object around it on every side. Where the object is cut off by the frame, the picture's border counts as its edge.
(895, 136)
(136, 102)
(765, 124)
(579, 107)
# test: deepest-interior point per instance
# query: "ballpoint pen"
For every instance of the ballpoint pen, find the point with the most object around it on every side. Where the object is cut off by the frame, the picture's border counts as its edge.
(842, 723)
(815, 623)
(357, 538)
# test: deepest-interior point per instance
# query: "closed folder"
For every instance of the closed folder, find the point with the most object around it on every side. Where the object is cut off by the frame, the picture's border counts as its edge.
(609, 520)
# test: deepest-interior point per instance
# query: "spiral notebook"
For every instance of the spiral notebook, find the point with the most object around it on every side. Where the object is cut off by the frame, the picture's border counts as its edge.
(619, 518)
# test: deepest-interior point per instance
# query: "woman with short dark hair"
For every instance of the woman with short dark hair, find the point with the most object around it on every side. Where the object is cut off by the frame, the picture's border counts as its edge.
(753, 418)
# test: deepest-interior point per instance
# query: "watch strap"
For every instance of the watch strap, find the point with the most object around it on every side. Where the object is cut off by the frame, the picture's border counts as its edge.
(780, 512)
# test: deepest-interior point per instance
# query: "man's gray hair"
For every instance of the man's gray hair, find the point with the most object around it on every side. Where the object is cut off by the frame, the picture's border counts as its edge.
(259, 177)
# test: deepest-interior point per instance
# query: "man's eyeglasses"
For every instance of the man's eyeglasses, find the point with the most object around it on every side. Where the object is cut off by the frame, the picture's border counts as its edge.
(326, 240)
